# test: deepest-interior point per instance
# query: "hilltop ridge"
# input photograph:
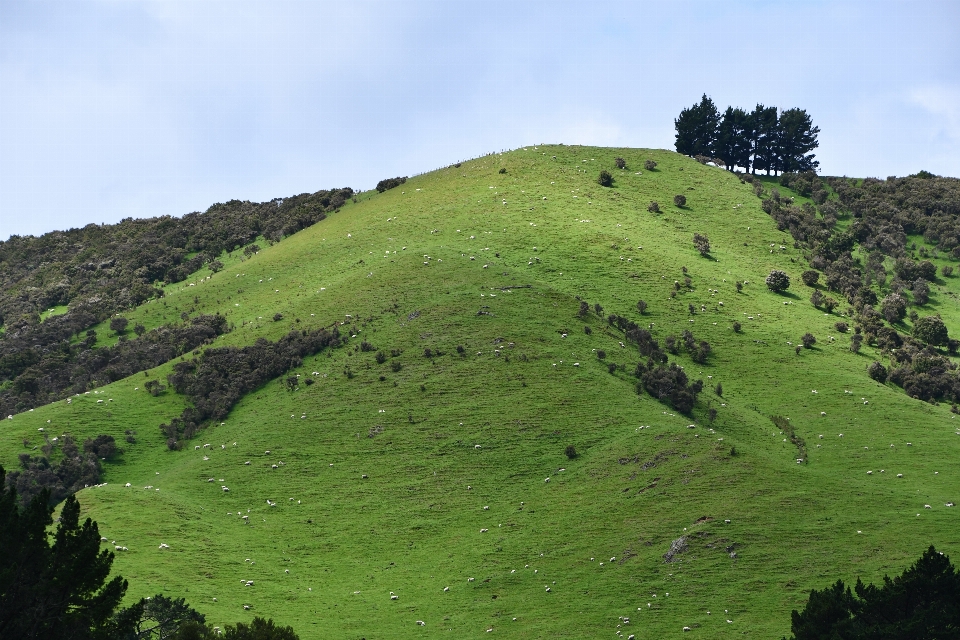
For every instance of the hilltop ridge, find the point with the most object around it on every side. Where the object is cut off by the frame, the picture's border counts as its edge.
(429, 451)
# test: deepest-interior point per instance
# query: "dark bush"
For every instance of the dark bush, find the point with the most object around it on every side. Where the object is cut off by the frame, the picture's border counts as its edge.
(251, 249)
(894, 308)
(611, 367)
(366, 347)
(778, 281)
(856, 341)
(118, 325)
(808, 340)
(877, 371)
(277, 317)
(502, 171)
(653, 207)
(932, 330)
(584, 309)
(605, 179)
(217, 380)
(460, 349)
(701, 243)
(598, 309)
(680, 200)
(669, 384)
(841, 327)
(570, 452)
(395, 366)
(215, 266)
(621, 163)
(77, 366)
(829, 304)
(601, 354)
(739, 286)
(74, 470)
(649, 165)
(946, 270)
(587, 330)
(390, 183)
(139, 329)
(154, 387)
(381, 357)
(718, 389)
(810, 277)
(641, 306)
(921, 292)
(736, 326)
(816, 298)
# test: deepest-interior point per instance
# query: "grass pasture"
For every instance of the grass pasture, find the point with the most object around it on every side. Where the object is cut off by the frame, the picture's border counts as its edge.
(437, 473)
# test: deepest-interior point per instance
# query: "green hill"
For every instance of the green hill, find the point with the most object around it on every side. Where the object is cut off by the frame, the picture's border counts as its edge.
(442, 479)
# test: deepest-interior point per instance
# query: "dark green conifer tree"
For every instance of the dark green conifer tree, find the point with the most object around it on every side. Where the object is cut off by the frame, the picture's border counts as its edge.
(697, 128)
(764, 141)
(54, 590)
(733, 139)
(797, 138)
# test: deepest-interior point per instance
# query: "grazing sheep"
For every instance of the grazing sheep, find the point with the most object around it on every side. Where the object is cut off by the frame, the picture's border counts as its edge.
(421, 623)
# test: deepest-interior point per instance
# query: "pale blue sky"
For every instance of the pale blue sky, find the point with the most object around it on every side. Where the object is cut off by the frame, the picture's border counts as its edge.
(117, 108)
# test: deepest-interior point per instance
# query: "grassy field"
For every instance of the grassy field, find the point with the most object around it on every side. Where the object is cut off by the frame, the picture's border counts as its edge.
(427, 477)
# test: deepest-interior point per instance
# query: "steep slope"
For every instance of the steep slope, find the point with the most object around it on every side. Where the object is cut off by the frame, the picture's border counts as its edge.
(432, 472)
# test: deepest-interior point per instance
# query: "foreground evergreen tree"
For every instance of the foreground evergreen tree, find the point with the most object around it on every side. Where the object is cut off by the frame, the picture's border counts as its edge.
(54, 590)
(697, 128)
(158, 618)
(921, 604)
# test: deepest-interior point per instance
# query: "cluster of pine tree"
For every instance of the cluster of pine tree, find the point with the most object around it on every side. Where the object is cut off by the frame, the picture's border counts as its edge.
(763, 139)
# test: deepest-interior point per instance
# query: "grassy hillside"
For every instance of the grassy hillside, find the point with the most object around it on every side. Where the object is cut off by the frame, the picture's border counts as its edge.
(427, 473)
